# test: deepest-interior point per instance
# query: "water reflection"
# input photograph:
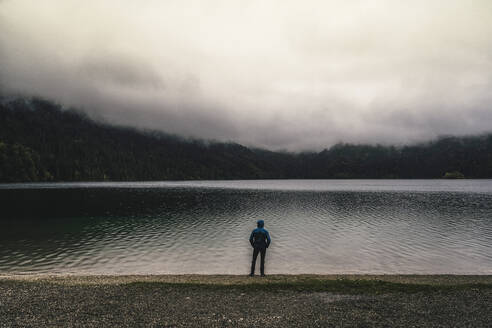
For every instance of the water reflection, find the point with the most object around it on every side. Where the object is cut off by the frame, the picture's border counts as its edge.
(206, 230)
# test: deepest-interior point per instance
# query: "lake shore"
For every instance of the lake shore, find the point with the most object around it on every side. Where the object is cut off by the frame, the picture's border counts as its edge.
(241, 301)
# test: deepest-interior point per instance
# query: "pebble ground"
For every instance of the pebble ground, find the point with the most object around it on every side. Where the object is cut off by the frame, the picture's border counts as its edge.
(236, 301)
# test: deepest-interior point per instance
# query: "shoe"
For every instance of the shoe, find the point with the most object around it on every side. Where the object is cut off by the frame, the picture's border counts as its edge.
(263, 275)
(251, 275)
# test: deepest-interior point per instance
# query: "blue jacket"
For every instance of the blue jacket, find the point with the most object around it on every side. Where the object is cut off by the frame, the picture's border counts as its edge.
(260, 238)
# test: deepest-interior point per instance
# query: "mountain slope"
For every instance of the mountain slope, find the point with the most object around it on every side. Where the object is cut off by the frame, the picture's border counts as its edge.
(40, 141)
(65, 145)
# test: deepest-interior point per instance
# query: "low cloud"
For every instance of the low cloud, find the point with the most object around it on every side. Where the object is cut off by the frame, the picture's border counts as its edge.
(277, 74)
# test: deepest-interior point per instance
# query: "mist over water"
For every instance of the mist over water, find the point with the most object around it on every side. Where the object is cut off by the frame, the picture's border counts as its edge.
(317, 226)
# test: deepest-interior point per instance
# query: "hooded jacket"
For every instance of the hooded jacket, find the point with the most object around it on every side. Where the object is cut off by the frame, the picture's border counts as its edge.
(260, 238)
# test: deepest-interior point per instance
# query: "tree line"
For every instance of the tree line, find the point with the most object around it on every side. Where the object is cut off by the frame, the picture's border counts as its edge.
(40, 141)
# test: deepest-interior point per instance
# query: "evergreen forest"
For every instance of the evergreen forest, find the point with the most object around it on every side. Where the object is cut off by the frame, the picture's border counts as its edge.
(41, 141)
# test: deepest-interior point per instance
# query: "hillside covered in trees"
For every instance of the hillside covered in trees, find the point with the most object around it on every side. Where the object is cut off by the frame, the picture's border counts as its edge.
(40, 141)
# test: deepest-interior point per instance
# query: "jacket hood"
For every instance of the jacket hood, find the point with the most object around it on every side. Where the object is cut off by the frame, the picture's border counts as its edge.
(260, 223)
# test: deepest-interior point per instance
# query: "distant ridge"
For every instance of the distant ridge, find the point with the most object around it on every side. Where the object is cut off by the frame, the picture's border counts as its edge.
(40, 141)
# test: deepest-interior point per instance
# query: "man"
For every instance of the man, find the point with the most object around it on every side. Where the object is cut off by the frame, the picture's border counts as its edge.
(259, 240)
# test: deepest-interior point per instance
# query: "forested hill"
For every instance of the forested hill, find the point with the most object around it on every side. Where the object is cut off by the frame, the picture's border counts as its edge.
(39, 141)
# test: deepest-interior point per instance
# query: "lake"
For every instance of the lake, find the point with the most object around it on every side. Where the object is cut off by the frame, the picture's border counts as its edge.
(317, 226)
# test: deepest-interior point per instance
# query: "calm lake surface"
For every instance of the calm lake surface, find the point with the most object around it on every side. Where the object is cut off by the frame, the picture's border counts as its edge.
(317, 226)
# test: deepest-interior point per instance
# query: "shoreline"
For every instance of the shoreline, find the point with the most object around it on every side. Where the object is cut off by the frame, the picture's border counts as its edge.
(44, 300)
(232, 279)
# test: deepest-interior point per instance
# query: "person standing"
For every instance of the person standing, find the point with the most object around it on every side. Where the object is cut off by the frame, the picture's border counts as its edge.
(259, 240)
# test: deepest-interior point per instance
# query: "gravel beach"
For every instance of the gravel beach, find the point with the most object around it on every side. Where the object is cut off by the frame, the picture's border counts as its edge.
(237, 301)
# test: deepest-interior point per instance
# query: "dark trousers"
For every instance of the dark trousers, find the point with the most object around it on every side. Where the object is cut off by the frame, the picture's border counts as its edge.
(262, 251)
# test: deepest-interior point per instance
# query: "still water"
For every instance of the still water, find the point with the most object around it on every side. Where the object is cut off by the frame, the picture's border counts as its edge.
(317, 226)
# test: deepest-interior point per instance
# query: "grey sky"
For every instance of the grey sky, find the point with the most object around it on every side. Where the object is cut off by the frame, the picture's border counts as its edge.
(277, 74)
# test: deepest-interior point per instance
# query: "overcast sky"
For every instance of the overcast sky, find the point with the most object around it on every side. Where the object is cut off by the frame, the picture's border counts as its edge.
(293, 75)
